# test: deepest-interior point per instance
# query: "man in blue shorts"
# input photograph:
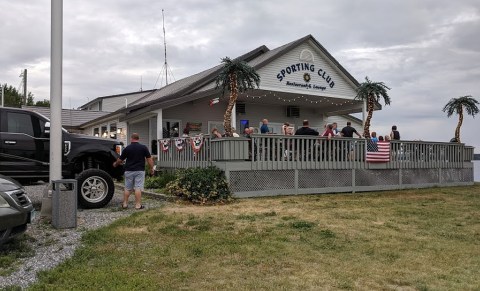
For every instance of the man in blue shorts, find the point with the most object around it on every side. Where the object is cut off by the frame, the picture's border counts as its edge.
(135, 155)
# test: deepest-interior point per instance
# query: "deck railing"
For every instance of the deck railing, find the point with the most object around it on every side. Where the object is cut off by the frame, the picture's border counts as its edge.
(277, 152)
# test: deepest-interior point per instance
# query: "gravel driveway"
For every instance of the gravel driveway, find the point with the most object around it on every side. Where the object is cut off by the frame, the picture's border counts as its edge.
(53, 246)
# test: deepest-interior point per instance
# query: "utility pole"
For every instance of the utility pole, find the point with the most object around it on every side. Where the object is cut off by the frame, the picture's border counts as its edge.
(25, 87)
(3, 94)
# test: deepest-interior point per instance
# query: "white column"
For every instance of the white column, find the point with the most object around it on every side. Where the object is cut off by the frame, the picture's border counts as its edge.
(234, 117)
(364, 113)
(159, 128)
(56, 57)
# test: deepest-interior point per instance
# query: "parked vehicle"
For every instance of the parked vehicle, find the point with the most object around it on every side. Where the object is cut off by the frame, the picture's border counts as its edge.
(25, 151)
(16, 209)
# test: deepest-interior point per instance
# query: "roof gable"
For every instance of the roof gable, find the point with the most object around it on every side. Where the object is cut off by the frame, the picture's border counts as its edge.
(306, 69)
(272, 62)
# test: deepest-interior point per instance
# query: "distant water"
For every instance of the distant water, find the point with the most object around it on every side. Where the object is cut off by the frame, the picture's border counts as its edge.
(476, 171)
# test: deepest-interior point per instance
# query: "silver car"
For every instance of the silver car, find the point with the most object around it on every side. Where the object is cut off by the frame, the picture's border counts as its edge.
(16, 209)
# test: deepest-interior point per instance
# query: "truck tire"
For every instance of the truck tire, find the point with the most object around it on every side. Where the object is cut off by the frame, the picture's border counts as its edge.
(95, 188)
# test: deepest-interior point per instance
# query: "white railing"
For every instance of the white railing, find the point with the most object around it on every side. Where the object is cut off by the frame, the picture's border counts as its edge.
(274, 152)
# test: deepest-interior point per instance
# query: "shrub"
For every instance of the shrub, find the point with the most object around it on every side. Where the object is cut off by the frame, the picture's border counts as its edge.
(158, 182)
(200, 185)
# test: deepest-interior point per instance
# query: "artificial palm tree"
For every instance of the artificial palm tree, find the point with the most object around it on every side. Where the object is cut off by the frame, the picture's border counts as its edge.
(456, 105)
(371, 92)
(236, 76)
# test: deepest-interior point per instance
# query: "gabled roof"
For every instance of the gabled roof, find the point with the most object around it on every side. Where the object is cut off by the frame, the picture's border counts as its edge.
(192, 83)
(144, 92)
(186, 89)
(71, 118)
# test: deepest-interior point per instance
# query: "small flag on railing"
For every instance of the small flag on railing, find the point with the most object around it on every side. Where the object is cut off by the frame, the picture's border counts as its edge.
(378, 151)
(214, 101)
(180, 144)
(197, 143)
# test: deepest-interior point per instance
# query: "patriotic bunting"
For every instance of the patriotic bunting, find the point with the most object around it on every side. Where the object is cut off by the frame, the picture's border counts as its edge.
(164, 144)
(197, 143)
(180, 144)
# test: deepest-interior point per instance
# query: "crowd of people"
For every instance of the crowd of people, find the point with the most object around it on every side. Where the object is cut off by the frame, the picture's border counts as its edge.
(330, 131)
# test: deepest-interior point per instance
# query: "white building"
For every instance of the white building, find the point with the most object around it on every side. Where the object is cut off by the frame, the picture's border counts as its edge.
(299, 80)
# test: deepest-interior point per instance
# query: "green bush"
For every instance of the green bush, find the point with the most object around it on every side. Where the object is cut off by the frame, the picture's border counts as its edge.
(200, 185)
(158, 182)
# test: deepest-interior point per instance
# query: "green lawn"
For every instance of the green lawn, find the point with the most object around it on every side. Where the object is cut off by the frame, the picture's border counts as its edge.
(427, 239)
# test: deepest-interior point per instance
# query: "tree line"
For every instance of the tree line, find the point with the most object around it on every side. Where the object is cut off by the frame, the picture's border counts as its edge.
(13, 98)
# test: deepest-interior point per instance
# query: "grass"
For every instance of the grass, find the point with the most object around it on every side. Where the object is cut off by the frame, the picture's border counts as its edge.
(427, 239)
(12, 251)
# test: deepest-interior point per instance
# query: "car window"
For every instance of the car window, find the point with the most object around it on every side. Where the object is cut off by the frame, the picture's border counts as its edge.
(19, 123)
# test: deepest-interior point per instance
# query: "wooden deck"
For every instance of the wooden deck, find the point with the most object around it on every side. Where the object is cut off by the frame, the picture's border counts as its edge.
(275, 165)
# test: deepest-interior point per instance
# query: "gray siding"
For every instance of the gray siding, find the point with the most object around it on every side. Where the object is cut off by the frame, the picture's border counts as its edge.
(112, 104)
(142, 129)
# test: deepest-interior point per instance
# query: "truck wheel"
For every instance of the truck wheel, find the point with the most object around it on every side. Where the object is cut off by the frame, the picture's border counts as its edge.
(95, 188)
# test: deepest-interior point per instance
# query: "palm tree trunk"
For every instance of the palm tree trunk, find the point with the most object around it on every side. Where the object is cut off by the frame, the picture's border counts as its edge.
(366, 129)
(227, 118)
(460, 121)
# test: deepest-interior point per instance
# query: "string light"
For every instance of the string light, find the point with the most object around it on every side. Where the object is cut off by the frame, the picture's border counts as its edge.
(301, 98)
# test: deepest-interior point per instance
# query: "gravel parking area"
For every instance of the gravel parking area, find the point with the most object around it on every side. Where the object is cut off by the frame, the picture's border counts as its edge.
(53, 246)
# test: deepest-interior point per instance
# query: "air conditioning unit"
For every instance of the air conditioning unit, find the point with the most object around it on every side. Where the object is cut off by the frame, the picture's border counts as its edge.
(293, 111)
(241, 108)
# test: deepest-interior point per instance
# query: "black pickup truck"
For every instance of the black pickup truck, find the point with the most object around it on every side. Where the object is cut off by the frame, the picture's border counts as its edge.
(25, 151)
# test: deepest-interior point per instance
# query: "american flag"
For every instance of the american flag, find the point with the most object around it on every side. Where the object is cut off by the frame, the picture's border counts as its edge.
(378, 151)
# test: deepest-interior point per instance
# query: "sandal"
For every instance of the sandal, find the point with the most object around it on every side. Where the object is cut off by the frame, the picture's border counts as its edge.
(124, 206)
(141, 207)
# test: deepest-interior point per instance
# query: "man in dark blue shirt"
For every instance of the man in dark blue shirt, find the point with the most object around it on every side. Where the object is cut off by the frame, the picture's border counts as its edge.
(135, 155)
(306, 130)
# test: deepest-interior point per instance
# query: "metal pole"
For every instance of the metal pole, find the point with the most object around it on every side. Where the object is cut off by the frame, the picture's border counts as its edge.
(364, 112)
(25, 87)
(56, 51)
(165, 45)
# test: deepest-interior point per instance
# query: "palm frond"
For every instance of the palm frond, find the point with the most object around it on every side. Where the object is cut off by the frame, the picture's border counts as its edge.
(247, 77)
(375, 90)
(456, 105)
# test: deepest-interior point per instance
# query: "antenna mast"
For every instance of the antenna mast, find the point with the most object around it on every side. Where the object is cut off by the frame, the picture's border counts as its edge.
(165, 65)
(165, 46)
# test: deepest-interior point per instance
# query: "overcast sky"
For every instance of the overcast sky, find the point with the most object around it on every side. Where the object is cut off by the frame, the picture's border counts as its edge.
(426, 51)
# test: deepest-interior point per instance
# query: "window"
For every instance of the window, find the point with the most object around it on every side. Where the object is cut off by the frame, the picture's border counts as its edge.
(171, 128)
(113, 130)
(104, 131)
(243, 124)
(20, 123)
(96, 132)
(216, 124)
